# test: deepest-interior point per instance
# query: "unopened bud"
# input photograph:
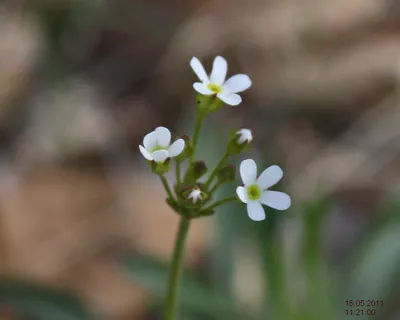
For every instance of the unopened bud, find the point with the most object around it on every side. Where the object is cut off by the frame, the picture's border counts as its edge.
(226, 174)
(239, 141)
(195, 172)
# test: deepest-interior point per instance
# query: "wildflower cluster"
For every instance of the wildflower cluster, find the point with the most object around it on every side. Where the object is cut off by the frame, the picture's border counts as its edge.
(191, 198)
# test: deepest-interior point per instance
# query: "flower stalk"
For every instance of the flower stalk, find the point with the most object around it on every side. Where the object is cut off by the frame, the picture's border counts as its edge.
(199, 122)
(178, 172)
(215, 171)
(166, 186)
(172, 296)
(220, 202)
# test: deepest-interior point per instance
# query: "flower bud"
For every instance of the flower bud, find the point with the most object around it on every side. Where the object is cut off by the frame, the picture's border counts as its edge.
(208, 104)
(161, 167)
(226, 174)
(187, 151)
(195, 172)
(239, 141)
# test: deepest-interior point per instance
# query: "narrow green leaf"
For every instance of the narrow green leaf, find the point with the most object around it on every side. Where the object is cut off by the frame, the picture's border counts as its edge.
(375, 274)
(314, 263)
(40, 302)
(194, 296)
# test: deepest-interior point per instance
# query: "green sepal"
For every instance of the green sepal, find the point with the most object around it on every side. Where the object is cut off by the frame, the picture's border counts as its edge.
(208, 104)
(174, 206)
(203, 213)
(160, 167)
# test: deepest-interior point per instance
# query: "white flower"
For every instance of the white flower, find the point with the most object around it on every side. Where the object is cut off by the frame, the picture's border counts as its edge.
(157, 145)
(195, 195)
(245, 136)
(216, 84)
(254, 192)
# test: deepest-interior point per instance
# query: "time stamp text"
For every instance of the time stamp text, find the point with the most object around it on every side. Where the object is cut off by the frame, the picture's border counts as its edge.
(363, 307)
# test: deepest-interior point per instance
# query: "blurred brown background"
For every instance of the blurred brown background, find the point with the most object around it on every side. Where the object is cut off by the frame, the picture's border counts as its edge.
(81, 83)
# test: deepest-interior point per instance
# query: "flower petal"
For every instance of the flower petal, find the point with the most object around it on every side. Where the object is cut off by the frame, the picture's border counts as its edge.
(198, 69)
(275, 199)
(244, 135)
(163, 136)
(248, 171)
(269, 177)
(202, 88)
(150, 141)
(145, 153)
(160, 155)
(238, 83)
(176, 148)
(255, 211)
(230, 98)
(242, 194)
(219, 70)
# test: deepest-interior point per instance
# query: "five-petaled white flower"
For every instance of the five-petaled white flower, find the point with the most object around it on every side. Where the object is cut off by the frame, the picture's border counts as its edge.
(195, 195)
(216, 84)
(157, 145)
(245, 136)
(254, 192)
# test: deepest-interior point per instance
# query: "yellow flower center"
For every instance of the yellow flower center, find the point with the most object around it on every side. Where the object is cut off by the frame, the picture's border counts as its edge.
(214, 88)
(254, 192)
(157, 148)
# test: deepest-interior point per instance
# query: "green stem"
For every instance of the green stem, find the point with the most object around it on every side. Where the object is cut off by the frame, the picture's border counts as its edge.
(214, 188)
(178, 172)
(166, 186)
(171, 306)
(199, 122)
(220, 202)
(215, 171)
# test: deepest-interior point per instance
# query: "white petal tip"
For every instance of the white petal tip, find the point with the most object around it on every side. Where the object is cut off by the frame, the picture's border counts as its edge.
(257, 219)
(231, 99)
(276, 200)
(145, 153)
(176, 148)
(241, 193)
(248, 171)
(255, 211)
(160, 155)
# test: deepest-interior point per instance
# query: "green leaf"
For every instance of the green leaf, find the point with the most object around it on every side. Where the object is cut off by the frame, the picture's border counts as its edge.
(40, 302)
(319, 286)
(194, 295)
(375, 273)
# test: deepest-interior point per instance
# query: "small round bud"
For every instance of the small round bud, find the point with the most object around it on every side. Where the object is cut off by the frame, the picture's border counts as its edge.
(245, 136)
(195, 172)
(226, 174)
(239, 141)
